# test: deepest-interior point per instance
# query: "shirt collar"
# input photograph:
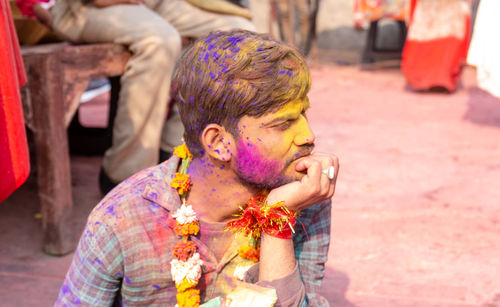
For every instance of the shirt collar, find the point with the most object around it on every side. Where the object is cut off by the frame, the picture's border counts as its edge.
(158, 189)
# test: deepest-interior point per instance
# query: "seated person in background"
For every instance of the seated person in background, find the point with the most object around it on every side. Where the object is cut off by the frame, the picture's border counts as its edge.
(152, 31)
(217, 221)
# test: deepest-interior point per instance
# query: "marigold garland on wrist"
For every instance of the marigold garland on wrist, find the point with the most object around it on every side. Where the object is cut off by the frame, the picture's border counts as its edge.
(258, 216)
(273, 219)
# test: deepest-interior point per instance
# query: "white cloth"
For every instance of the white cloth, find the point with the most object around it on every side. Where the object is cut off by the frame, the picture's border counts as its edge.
(484, 50)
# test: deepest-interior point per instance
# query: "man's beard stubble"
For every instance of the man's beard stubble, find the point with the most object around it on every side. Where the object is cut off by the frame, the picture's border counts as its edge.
(255, 170)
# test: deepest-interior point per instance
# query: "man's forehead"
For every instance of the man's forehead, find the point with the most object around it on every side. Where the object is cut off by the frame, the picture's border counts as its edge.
(294, 106)
(289, 110)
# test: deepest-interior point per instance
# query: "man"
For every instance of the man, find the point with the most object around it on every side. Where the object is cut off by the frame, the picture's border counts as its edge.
(242, 99)
(152, 31)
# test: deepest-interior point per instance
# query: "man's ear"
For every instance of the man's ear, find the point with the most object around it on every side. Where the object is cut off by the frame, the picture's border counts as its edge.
(216, 142)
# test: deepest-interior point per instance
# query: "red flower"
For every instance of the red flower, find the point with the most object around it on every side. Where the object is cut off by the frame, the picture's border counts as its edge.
(183, 250)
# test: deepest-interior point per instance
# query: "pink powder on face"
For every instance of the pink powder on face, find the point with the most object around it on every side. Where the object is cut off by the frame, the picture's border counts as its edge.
(255, 169)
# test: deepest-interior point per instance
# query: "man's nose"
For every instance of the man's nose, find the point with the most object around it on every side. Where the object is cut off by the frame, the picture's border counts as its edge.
(304, 135)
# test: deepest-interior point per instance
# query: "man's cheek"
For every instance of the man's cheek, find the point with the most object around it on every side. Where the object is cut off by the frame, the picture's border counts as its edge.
(253, 165)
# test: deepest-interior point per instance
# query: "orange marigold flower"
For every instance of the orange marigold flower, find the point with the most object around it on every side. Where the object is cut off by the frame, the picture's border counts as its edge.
(182, 151)
(185, 285)
(188, 298)
(181, 182)
(249, 252)
(186, 229)
(183, 250)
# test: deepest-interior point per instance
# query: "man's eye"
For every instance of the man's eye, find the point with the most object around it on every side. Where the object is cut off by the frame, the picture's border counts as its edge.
(284, 125)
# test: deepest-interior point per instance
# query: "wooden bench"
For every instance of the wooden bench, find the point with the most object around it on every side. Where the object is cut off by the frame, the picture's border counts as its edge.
(58, 74)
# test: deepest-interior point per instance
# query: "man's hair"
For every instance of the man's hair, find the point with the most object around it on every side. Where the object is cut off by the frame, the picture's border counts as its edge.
(224, 76)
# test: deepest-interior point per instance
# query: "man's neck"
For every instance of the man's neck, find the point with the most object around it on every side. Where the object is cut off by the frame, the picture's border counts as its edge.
(216, 193)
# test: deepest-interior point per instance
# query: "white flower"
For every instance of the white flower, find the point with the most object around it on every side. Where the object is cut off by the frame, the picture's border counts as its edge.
(185, 214)
(190, 269)
(240, 271)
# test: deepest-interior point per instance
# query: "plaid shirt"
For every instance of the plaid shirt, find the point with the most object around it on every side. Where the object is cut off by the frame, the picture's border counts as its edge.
(125, 251)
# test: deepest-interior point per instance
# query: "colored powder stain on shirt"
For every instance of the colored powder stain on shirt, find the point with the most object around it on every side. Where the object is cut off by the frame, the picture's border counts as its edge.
(99, 261)
(154, 195)
(64, 289)
(156, 287)
(127, 280)
(111, 210)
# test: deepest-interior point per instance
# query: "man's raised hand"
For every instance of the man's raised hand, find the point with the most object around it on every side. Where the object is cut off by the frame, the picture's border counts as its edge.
(313, 188)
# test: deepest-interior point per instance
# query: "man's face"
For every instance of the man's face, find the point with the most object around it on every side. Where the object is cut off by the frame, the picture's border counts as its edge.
(269, 147)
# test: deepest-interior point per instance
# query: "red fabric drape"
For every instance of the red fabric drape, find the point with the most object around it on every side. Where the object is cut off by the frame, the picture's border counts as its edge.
(435, 61)
(14, 157)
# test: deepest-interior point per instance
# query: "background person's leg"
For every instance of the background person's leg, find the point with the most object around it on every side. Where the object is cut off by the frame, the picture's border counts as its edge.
(155, 45)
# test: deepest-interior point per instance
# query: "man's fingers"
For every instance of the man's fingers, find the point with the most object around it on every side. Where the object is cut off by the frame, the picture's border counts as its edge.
(311, 166)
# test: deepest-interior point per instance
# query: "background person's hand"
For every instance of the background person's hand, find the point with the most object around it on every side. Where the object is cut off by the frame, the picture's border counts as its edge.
(311, 189)
(42, 15)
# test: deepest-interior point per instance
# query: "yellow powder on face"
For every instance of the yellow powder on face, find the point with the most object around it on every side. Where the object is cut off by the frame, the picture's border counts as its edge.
(292, 111)
(293, 107)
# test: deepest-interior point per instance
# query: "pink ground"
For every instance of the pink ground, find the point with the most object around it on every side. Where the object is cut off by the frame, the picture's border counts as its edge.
(416, 212)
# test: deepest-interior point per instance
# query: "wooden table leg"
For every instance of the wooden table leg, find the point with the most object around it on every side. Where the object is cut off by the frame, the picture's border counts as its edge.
(51, 145)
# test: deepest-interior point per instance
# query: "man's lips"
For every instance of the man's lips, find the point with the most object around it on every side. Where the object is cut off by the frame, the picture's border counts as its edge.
(302, 154)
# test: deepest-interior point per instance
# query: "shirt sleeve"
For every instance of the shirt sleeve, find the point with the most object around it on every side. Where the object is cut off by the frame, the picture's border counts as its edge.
(96, 271)
(289, 289)
(311, 242)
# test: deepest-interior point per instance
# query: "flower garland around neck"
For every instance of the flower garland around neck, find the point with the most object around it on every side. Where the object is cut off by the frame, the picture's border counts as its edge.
(186, 262)
(258, 216)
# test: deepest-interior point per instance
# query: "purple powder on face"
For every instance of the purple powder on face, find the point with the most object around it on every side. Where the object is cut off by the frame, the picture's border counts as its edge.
(255, 169)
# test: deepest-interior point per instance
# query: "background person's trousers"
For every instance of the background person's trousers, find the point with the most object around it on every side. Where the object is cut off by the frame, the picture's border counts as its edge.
(152, 33)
